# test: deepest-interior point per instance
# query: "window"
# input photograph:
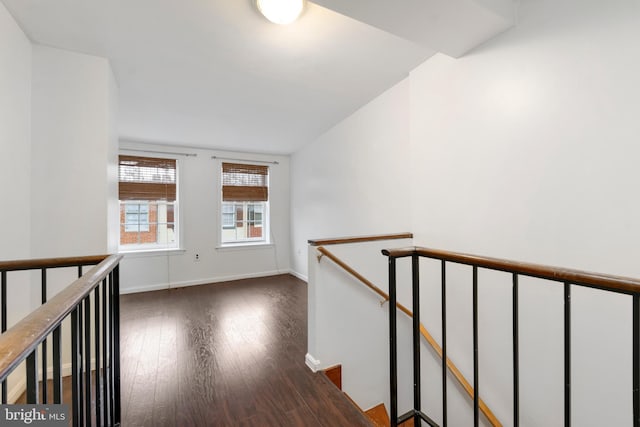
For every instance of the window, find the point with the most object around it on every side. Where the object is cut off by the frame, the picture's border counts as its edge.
(228, 215)
(245, 203)
(136, 216)
(148, 203)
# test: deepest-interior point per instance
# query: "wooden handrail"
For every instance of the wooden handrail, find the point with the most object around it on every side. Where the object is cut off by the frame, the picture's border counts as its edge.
(359, 239)
(607, 282)
(19, 341)
(32, 264)
(351, 271)
(425, 333)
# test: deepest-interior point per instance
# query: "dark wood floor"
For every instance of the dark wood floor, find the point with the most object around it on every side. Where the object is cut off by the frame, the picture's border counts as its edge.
(229, 354)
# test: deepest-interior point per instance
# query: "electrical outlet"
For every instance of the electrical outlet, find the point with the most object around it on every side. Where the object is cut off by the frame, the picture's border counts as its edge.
(196, 257)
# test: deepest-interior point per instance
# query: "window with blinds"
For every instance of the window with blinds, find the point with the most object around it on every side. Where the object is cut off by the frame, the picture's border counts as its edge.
(245, 202)
(148, 193)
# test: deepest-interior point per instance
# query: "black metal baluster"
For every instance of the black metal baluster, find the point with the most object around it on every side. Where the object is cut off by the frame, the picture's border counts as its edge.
(81, 327)
(96, 329)
(393, 365)
(444, 341)
(516, 354)
(105, 376)
(76, 367)
(3, 291)
(116, 344)
(567, 354)
(87, 360)
(43, 295)
(32, 377)
(111, 376)
(57, 366)
(415, 285)
(636, 360)
(476, 382)
(80, 407)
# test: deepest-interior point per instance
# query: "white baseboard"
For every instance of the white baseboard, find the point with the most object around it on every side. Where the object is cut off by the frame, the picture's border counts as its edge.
(199, 282)
(16, 391)
(312, 363)
(147, 288)
(299, 276)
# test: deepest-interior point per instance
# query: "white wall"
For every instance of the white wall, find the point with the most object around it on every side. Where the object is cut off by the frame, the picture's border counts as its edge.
(58, 154)
(530, 134)
(15, 170)
(199, 187)
(15, 137)
(113, 207)
(73, 149)
(525, 149)
(348, 325)
(353, 179)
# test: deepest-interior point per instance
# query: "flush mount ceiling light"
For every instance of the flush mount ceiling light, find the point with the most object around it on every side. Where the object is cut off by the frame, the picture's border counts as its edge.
(280, 11)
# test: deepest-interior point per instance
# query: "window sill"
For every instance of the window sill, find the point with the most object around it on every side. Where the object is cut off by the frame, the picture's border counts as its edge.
(140, 253)
(243, 246)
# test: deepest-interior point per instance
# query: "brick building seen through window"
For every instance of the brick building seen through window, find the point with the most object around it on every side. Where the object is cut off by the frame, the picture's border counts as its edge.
(148, 202)
(245, 203)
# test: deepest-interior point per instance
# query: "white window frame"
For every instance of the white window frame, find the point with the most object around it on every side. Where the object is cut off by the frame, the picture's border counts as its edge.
(177, 245)
(266, 221)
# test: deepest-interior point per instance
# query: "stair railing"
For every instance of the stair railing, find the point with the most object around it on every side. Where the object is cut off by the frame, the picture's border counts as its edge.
(92, 339)
(566, 277)
(484, 408)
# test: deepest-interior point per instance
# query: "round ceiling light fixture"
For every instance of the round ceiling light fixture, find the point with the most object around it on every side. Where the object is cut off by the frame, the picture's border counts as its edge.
(281, 12)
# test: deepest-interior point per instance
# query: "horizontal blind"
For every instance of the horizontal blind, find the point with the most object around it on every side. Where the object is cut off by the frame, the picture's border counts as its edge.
(147, 178)
(242, 182)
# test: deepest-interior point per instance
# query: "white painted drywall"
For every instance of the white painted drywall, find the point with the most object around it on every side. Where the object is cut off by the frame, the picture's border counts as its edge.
(113, 207)
(72, 153)
(60, 166)
(353, 179)
(199, 189)
(15, 168)
(15, 137)
(349, 326)
(525, 149)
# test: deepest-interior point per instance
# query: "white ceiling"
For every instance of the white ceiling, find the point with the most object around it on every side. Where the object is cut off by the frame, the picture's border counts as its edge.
(216, 74)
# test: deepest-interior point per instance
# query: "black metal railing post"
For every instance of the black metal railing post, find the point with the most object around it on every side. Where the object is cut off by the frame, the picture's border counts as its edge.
(111, 369)
(476, 373)
(393, 350)
(516, 352)
(415, 291)
(636, 360)
(87, 360)
(415, 414)
(105, 355)
(96, 338)
(32, 377)
(443, 300)
(567, 354)
(57, 366)
(43, 296)
(116, 344)
(3, 321)
(76, 368)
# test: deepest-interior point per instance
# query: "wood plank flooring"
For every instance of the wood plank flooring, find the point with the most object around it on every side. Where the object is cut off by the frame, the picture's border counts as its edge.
(227, 354)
